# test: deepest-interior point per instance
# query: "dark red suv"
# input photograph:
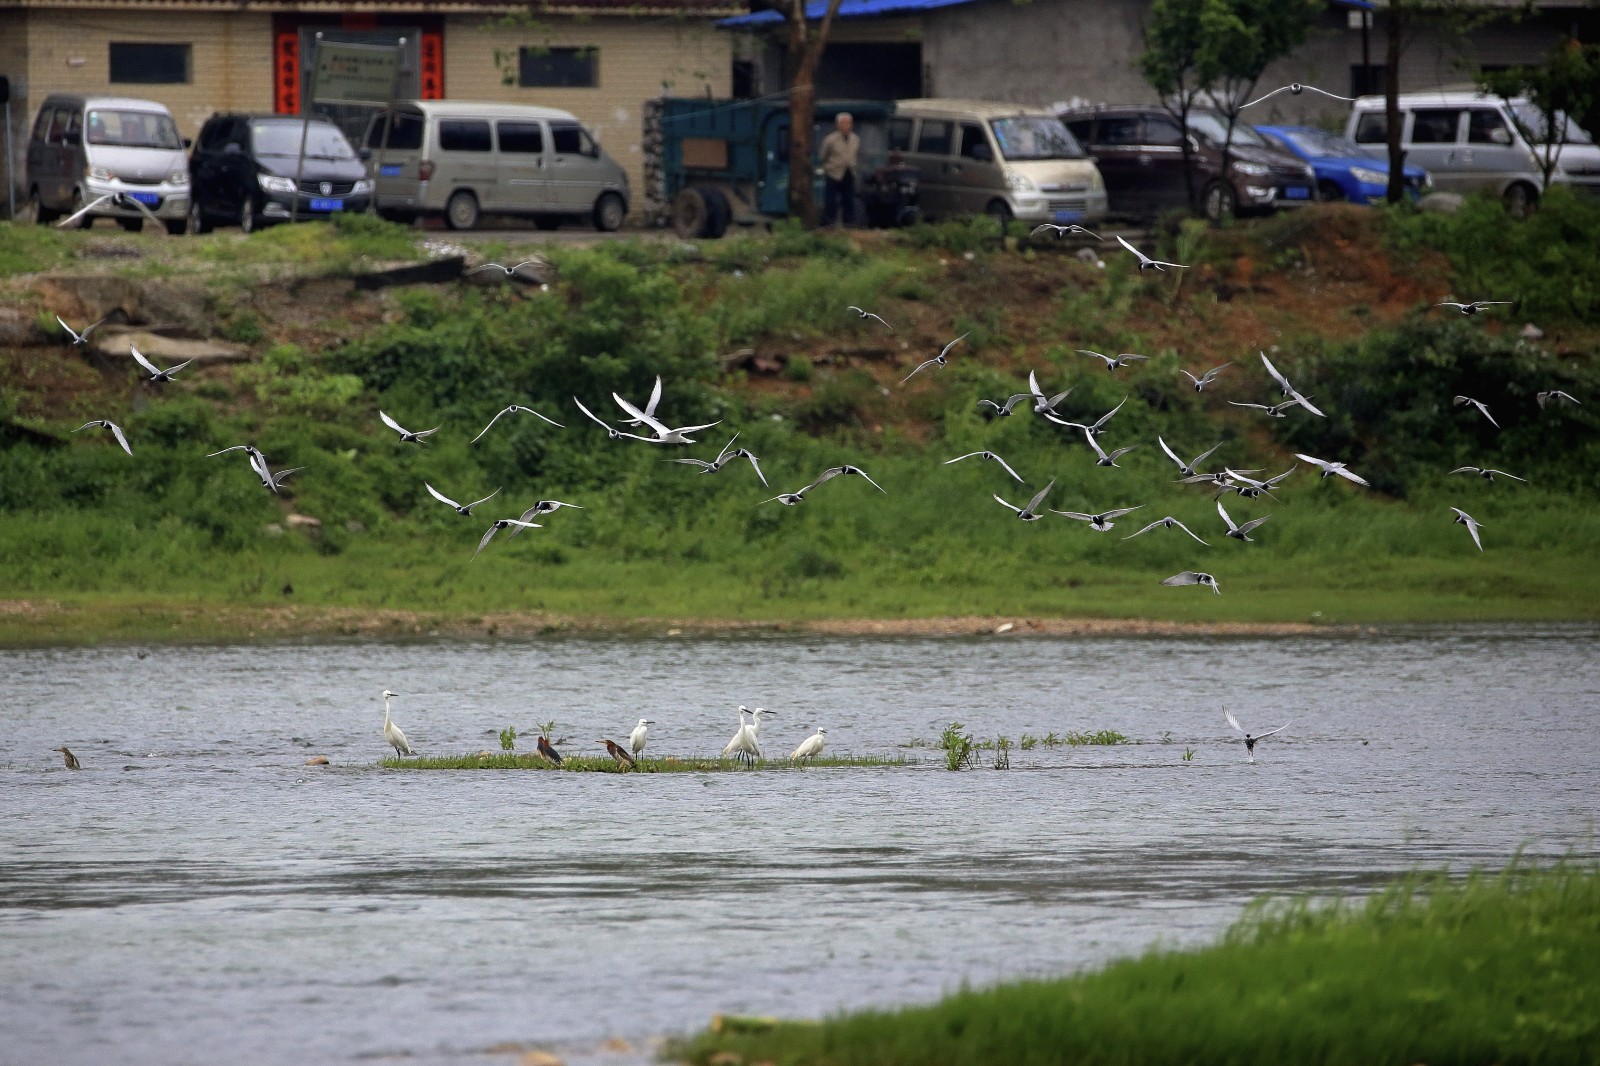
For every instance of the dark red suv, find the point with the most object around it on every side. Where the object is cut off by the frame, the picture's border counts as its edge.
(1139, 151)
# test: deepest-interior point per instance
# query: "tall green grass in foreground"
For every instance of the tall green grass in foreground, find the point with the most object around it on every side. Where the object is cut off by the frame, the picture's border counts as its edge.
(1496, 969)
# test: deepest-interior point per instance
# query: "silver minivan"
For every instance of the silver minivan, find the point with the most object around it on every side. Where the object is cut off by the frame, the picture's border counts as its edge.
(1004, 160)
(112, 149)
(464, 160)
(1469, 141)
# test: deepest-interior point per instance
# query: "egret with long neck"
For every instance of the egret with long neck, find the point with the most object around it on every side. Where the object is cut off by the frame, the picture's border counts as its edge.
(392, 732)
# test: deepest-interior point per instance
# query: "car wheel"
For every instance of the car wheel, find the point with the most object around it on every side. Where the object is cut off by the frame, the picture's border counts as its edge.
(197, 221)
(609, 212)
(1330, 192)
(249, 221)
(1220, 202)
(1520, 200)
(461, 210)
(78, 204)
(37, 211)
(718, 213)
(1000, 211)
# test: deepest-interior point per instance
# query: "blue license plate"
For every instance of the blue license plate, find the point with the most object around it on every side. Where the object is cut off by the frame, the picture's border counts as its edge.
(149, 199)
(1296, 192)
(390, 170)
(321, 204)
(1068, 216)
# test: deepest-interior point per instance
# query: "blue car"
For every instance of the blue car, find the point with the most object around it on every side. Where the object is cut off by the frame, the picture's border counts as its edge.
(1343, 171)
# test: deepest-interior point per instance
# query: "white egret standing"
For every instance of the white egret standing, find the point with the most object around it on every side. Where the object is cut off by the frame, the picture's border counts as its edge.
(391, 732)
(743, 744)
(811, 746)
(640, 734)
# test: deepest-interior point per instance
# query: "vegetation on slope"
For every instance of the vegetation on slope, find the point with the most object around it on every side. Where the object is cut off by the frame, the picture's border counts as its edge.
(80, 521)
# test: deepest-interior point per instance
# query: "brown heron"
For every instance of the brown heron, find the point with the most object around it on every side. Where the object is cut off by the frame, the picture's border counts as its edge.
(67, 757)
(547, 751)
(617, 753)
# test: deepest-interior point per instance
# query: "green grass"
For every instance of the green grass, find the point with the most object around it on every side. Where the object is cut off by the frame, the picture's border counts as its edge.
(604, 764)
(1493, 969)
(176, 545)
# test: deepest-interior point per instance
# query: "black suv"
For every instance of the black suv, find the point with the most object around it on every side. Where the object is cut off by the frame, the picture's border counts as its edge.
(243, 170)
(1139, 151)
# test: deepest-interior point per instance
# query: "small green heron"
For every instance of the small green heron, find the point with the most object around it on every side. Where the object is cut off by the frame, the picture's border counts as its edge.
(617, 753)
(67, 757)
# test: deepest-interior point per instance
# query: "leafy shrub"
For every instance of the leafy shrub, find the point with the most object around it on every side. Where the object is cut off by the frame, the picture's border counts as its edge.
(1549, 262)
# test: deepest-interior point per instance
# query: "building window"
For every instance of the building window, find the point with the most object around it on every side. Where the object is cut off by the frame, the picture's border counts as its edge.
(139, 63)
(558, 68)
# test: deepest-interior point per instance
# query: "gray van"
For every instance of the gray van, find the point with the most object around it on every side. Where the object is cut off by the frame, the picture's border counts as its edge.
(84, 148)
(463, 160)
(1000, 159)
(1471, 141)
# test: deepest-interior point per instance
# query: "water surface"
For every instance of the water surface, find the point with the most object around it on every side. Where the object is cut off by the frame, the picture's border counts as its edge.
(198, 894)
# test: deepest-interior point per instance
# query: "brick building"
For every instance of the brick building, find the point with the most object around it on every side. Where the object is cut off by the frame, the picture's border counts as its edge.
(600, 59)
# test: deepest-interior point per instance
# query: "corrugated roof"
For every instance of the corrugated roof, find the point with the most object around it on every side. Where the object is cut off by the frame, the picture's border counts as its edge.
(861, 9)
(625, 8)
(850, 9)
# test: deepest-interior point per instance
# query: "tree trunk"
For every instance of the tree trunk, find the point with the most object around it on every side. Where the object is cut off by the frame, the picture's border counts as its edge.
(805, 52)
(802, 117)
(1392, 27)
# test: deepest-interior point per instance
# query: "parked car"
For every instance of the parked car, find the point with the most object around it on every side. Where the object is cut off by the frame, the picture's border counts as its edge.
(1343, 171)
(462, 160)
(1139, 150)
(1471, 142)
(87, 147)
(978, 157)
(245, 166)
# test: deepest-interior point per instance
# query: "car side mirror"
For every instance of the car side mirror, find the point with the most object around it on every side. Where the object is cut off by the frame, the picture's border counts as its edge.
(364, 153)
(188, 142)
(72, 138)
(1194, 143)
(982, 153)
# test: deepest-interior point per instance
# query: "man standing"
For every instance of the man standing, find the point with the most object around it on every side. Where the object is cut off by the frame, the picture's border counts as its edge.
(838, 155)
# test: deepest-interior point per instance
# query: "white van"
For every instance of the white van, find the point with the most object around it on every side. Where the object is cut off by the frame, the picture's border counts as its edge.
(463, 160)
(1470, 141)
(1004, 160)
(106, 149)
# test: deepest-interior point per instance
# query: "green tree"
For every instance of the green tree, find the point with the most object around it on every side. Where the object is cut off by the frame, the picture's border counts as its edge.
(1254, 34)
(1214, 51)
(1180, 61)
(806, 40)
(1567, 85)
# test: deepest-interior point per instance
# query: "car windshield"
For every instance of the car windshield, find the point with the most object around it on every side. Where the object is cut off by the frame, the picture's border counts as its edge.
(1027, 137)
(1214, 128)
(1317, 143)
(1531, 120)
(133, 129)
(323, 140)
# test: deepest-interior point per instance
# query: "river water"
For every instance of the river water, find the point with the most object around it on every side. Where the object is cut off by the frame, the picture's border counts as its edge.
(198, 894)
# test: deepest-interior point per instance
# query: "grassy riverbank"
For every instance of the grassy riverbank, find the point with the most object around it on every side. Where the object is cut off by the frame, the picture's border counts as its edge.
(752, 332)
(1495, 969)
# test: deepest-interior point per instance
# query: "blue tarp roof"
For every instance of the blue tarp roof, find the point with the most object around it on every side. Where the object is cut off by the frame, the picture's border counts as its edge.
(861, 9)
(850, 9)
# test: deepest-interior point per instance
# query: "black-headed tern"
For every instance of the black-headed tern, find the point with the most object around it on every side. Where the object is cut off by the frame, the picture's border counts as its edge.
(116, 431)
(938, 360)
